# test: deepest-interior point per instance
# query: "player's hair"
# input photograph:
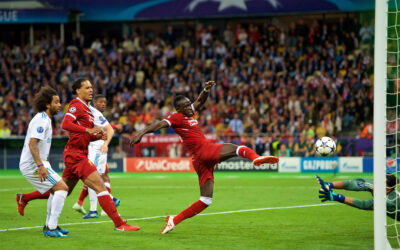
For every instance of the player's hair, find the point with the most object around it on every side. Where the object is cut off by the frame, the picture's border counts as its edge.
(42, 98)
(77, 84)
(96, 97)
(178, 99)
(391, 181)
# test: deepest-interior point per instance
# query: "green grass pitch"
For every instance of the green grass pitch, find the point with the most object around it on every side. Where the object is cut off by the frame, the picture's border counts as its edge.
(267, 211)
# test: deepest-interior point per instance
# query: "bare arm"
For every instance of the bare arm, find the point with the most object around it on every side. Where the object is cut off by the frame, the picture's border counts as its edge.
(109, 133)
(203, 95)
(149, 129)
(34, 148)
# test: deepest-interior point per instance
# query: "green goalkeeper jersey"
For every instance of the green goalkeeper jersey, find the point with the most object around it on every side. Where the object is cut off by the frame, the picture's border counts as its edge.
(392, 199)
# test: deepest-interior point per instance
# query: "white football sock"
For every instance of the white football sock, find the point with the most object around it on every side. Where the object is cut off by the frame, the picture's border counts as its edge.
(57, 205)
(49, 200)
(93, 199)
(107, 184)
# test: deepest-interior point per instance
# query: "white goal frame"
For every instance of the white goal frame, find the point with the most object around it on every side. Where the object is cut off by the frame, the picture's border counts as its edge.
(380, 81)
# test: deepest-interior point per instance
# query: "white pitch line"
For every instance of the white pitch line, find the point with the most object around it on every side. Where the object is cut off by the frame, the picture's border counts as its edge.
(163, 216)
(15, 189)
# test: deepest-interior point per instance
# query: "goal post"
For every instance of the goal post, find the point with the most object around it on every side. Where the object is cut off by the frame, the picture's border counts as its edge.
(379, 143)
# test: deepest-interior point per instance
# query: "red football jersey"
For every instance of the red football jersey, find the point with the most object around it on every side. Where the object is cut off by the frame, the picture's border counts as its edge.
(188, 129)
(79, 142)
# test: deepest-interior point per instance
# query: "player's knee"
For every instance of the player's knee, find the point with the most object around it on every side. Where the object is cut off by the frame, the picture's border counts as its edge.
(65, 188)
(206, 200)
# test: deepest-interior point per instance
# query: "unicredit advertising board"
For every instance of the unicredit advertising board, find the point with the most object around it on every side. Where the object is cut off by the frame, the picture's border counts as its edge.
(158, 164)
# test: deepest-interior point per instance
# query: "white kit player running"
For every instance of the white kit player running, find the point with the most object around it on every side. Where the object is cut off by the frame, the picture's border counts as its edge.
(34, 165)
(98, 155)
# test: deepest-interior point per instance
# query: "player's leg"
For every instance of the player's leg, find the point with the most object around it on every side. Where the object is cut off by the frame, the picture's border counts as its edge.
(78, 206)
(23, 199)
(55, 205)
(70, 182)
(95, 182)
(107, 183)
(206, 193)
(106, 179)
(55, 184)
(229, 150)
(93, 156)
(206, 183)
(93, 205)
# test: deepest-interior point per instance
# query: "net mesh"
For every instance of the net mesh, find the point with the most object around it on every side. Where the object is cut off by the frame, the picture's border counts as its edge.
(393, 118)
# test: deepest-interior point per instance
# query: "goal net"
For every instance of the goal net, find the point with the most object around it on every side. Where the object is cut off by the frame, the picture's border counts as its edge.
(387, 16)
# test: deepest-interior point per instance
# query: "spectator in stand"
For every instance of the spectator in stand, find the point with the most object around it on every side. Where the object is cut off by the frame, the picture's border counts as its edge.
(300, 148)
(310, 147)
(285, 83)
(283, 150)
(367, 131)
(236, 124)
(366, 33)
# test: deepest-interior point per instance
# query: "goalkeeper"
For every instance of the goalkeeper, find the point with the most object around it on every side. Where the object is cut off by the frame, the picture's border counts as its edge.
(392, 201)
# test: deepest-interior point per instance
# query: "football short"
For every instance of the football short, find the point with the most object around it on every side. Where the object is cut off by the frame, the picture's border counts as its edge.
(30, 172)
(98, 159)
(204, 161)
(77, 166)
(107, 169)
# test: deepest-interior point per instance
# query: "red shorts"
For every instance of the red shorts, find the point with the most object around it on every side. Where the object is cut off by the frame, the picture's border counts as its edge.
(77, 166)
(204, 161)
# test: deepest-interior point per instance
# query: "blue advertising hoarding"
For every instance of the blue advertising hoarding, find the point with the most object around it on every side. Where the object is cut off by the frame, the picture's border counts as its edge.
(121, 10)
(8, 16)
(318, 164)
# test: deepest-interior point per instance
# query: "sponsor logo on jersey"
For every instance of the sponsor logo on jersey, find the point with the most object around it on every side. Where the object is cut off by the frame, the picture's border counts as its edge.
(193, 122)
(40, 129)
(102, 119)
(72, 109)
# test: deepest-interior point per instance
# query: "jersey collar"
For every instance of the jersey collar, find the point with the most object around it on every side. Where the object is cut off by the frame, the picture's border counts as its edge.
(83, 102)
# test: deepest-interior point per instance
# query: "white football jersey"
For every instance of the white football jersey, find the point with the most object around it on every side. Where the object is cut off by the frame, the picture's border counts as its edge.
(40, 128)
(99, 121)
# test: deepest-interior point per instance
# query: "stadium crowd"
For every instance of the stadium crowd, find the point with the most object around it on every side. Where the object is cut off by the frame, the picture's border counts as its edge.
(275, 82)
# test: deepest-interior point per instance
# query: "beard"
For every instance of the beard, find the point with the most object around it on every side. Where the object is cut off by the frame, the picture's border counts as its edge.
(53, 111)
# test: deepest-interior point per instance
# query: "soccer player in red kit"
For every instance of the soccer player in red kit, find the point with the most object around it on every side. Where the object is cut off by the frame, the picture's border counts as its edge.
(79, 122)
(205, 154)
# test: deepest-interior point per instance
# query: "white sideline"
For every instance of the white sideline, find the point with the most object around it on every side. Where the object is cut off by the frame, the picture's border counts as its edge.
(163, 216)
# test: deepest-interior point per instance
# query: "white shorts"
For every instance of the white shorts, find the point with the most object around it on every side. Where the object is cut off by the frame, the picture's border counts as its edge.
(98, 159)
(31, 174)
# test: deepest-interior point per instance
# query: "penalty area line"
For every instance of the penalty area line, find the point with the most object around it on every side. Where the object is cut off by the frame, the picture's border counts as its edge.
(163, 216)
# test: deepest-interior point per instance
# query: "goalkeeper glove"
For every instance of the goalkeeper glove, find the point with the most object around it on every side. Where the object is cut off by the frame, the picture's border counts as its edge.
(327, 186)
(330, 196)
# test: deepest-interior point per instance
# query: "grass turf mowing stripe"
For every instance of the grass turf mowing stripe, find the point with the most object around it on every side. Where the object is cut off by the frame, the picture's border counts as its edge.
(163, 216)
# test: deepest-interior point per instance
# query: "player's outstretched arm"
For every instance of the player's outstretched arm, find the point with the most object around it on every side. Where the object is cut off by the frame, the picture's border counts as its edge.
(203, 95)
(326, 195)
(149, 129)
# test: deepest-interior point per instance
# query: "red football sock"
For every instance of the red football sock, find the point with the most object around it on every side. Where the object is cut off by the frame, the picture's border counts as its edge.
(191, 211)
(108, 206)
(35, 195)
(83, 195)
(108, 189)
(246, 152)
